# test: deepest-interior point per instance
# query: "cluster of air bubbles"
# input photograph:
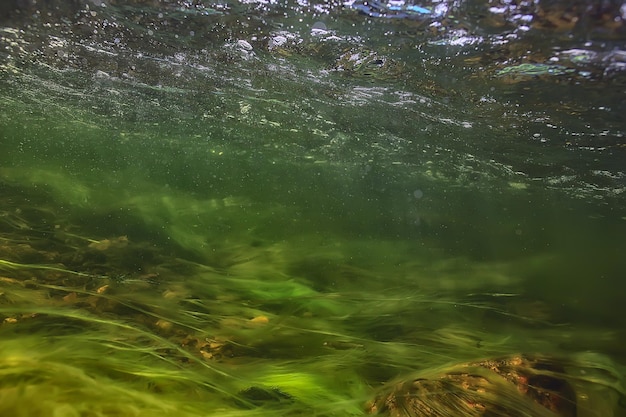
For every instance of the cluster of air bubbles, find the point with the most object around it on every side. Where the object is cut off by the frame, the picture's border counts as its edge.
(240, 48)
(283, 39)
(319, 28)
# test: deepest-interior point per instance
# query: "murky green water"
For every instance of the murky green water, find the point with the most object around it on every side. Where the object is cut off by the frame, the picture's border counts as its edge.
(282, 208)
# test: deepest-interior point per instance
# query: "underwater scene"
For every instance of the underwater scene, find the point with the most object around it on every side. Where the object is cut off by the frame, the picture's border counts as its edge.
(292, 208)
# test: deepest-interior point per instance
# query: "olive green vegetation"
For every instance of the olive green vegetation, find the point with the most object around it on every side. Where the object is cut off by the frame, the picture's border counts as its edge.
(184, 317)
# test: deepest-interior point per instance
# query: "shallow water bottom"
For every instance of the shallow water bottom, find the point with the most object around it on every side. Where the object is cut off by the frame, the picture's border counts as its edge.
(128, 298)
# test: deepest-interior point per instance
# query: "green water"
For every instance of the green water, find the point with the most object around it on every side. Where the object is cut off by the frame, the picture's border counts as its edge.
(212, 210)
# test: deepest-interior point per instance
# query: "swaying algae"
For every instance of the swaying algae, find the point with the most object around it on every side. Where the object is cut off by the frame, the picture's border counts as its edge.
(110, 326)
(85, 334)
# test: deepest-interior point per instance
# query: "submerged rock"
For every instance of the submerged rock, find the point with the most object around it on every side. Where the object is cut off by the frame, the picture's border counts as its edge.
(514, 386)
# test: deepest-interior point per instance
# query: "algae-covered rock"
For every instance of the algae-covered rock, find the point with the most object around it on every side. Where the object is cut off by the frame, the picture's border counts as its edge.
(513, 386)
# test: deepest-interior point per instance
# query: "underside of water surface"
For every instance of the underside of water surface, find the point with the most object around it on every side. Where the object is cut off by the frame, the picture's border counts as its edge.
(263, 208)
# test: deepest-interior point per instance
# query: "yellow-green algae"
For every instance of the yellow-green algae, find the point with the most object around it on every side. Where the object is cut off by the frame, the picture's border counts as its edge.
(311, 325)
